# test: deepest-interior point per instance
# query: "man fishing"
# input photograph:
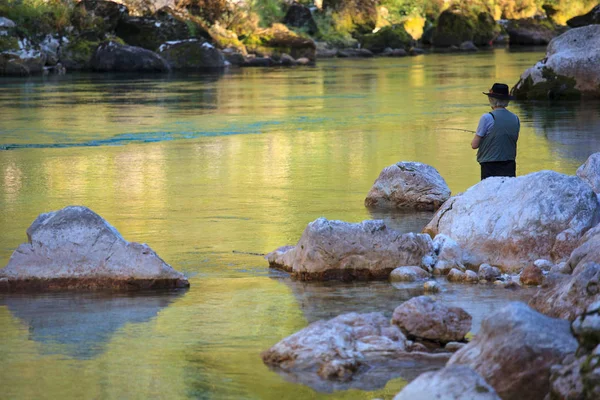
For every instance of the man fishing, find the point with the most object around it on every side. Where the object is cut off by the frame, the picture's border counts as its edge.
(496, 136)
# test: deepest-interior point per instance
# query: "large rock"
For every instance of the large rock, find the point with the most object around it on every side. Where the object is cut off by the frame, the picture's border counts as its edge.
(23, 60)
(567, 297)
(278, 40)
(393, 37)
(424, 318)
(569, 69)
(74, 248)
(408, 185)
(299, 16)
(457, 382)
(511, 222)
(457, 25)
(340, 250)
(530, 32)
(578, 378)
(114, 57)
(593, 17)
(344, 348)
(77, 54)
(590, 172)
(515, 349)
(191, 54)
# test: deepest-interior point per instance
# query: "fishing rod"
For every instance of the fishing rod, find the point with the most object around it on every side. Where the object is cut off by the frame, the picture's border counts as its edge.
(454, 129)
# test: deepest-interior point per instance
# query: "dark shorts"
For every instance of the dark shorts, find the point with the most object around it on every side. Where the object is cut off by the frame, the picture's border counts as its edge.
(498, 168)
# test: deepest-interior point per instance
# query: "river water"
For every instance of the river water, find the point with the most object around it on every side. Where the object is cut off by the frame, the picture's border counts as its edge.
(206, 167)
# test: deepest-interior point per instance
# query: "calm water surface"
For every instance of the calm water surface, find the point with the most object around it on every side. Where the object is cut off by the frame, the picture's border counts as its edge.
(205, 167)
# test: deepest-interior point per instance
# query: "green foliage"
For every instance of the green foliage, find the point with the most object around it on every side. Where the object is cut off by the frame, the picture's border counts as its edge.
(38, 17)
(269, 11)
(8, 43)
(330, 33)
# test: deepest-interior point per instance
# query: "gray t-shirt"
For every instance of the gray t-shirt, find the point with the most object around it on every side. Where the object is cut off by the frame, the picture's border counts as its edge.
(486, 123)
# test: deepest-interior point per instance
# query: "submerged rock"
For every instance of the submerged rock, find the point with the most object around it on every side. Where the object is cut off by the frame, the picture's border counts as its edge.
(114, 57)
(590, 172)
(569, 69)
(336, 250)
(424, 318)
(408, 185)
(515, 349)
(457, 382)
(345, 348)
(498, 221)
(74, 248)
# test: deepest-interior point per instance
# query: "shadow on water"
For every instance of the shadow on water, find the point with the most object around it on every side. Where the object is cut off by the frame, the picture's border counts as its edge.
(403, 221)
(325, 300)
(83, 323)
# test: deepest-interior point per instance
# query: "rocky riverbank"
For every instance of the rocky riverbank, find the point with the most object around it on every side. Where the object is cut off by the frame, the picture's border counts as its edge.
(541, 229)
(67, 35)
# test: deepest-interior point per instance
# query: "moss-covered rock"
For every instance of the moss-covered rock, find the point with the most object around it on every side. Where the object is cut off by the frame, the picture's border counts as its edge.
(593, 17)
(191, 54)
(532, 31)
(76, 54)
(394, 37)
(457, 25)
(278, 40)
(551, 86)
(8, 43)
(570, 69)
(21, 63)
(226, 39)
(353, 16)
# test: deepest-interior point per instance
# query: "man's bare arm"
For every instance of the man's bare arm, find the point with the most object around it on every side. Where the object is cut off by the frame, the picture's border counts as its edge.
(475, 142)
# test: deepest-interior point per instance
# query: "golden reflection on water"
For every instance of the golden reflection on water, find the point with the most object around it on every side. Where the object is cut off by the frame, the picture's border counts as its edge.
(199, 167)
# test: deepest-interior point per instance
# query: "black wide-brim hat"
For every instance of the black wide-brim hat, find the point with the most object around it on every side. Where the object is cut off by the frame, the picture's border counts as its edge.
(499, 91)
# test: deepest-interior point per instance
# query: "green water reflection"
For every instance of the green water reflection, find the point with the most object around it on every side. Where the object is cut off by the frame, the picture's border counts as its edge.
(200, 166)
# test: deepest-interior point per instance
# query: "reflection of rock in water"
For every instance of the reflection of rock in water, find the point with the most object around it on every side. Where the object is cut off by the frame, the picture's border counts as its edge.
(82, 323)
(325, 300)
(403, 221)
(575, 127)
(373, 379)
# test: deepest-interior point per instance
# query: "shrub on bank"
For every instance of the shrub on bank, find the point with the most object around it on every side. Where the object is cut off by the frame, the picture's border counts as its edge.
(36, 18)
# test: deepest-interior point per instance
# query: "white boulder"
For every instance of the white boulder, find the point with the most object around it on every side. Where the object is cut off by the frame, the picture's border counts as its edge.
(336, 250)
(408, 185)
(512, 222)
